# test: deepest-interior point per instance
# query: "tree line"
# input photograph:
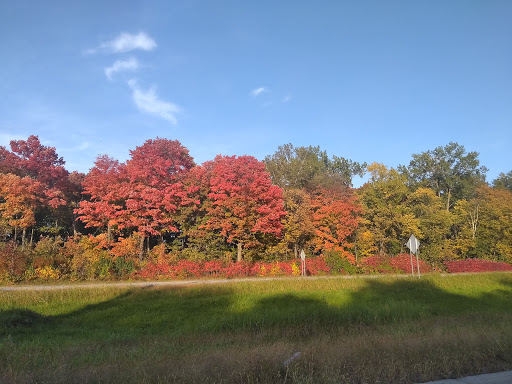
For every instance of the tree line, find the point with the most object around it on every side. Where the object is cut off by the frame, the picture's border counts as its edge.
(237, 207)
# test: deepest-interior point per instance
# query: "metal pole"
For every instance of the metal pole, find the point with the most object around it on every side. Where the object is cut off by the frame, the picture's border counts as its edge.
(418, 262)
(412, 266)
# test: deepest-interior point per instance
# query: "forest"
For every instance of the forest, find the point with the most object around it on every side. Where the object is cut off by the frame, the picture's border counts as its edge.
(161, 215)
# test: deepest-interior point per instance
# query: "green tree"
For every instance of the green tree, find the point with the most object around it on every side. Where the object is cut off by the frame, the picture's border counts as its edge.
(484, 227)
(434, 223)
(308, 167)
(387, 215)
(503, 181)
(451, 172)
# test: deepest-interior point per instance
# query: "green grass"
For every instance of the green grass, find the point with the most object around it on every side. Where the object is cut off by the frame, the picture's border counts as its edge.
(363, 330)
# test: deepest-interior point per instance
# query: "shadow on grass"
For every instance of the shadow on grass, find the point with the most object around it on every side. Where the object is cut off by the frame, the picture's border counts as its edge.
(206, 310)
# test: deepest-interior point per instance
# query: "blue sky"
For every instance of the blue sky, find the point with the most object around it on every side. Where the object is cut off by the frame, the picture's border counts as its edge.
(366, 80)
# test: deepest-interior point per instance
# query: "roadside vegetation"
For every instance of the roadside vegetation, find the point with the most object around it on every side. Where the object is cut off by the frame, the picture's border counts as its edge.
(368, 329)
(160, 215)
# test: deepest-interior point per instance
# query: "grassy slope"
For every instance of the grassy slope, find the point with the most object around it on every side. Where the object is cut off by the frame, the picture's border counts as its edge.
(348, 330)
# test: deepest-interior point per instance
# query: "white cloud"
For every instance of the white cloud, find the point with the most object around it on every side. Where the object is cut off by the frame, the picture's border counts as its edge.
(258, 91)
(286, 99)
(125, 42)
(149, 102)
(122, 65)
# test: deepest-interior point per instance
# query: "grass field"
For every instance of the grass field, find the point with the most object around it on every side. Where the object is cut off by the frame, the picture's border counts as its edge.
(363, 330)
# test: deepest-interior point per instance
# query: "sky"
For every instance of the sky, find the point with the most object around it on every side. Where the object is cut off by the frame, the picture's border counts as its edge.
(364, 80)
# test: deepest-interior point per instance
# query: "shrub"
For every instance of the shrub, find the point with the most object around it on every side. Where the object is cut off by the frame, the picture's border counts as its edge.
(476, 265)
(397, 264)
(87, 259)
(47, 252)
(187, 268)
(47, 273)
(338, 263)
(13, 261)
(123, 266)
(126, 248)
(402, 263)
(377, 264)
(316, 266)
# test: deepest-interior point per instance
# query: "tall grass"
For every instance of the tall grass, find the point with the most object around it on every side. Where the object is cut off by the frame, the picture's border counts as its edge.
(347, 330)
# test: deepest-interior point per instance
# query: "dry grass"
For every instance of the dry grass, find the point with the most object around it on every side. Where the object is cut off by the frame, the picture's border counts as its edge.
(357, 331)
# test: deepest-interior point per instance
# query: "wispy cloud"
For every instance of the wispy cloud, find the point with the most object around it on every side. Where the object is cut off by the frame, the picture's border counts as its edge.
(84, 145)
(131, 64)
(149, 102)
(258, 91)
(286, 99)
(125, 42)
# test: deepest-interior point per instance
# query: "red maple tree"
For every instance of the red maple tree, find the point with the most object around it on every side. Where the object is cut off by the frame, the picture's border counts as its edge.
(39, 162)
(242, 200)
(142, 195)
(105, 205)
(155, 172)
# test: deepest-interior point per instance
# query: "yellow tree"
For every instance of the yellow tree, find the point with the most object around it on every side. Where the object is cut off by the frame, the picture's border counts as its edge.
(484, 227)
(434, 223)
(298, 227)
(387, 216)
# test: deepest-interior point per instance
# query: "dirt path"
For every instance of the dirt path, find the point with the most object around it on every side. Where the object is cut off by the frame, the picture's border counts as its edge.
(176, 283)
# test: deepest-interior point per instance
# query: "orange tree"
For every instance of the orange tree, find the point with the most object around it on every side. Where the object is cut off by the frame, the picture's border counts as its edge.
(336, 216)
(242, 202)
(20, 198)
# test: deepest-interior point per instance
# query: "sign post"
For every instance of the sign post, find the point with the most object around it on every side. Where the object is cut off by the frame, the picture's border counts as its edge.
(414, 244)
(303, 262)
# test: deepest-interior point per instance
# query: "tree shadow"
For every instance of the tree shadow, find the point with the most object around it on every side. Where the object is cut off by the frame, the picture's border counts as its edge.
(206, 309)
(199, 329)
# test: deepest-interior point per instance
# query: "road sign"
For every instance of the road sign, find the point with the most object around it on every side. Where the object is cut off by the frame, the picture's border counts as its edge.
(413, 244)
(303, 262)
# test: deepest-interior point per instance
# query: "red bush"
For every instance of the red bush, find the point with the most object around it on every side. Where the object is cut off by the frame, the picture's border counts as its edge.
(185, 268)
(316, 266)
(476, 265)
(402, 262)
(377, 264)
(397, 264)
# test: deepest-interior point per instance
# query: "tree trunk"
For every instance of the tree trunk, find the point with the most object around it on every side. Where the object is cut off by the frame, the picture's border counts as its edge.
(239, 252)
(295, 250)
(23, 235)
(31, 237)
(15, 236)
(474, 221)
(448, 200)
(74, 226)
(141, 247)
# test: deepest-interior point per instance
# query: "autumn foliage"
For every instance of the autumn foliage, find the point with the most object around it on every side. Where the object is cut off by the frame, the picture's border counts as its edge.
(476, 265)
(242, 202)
(160, 215)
